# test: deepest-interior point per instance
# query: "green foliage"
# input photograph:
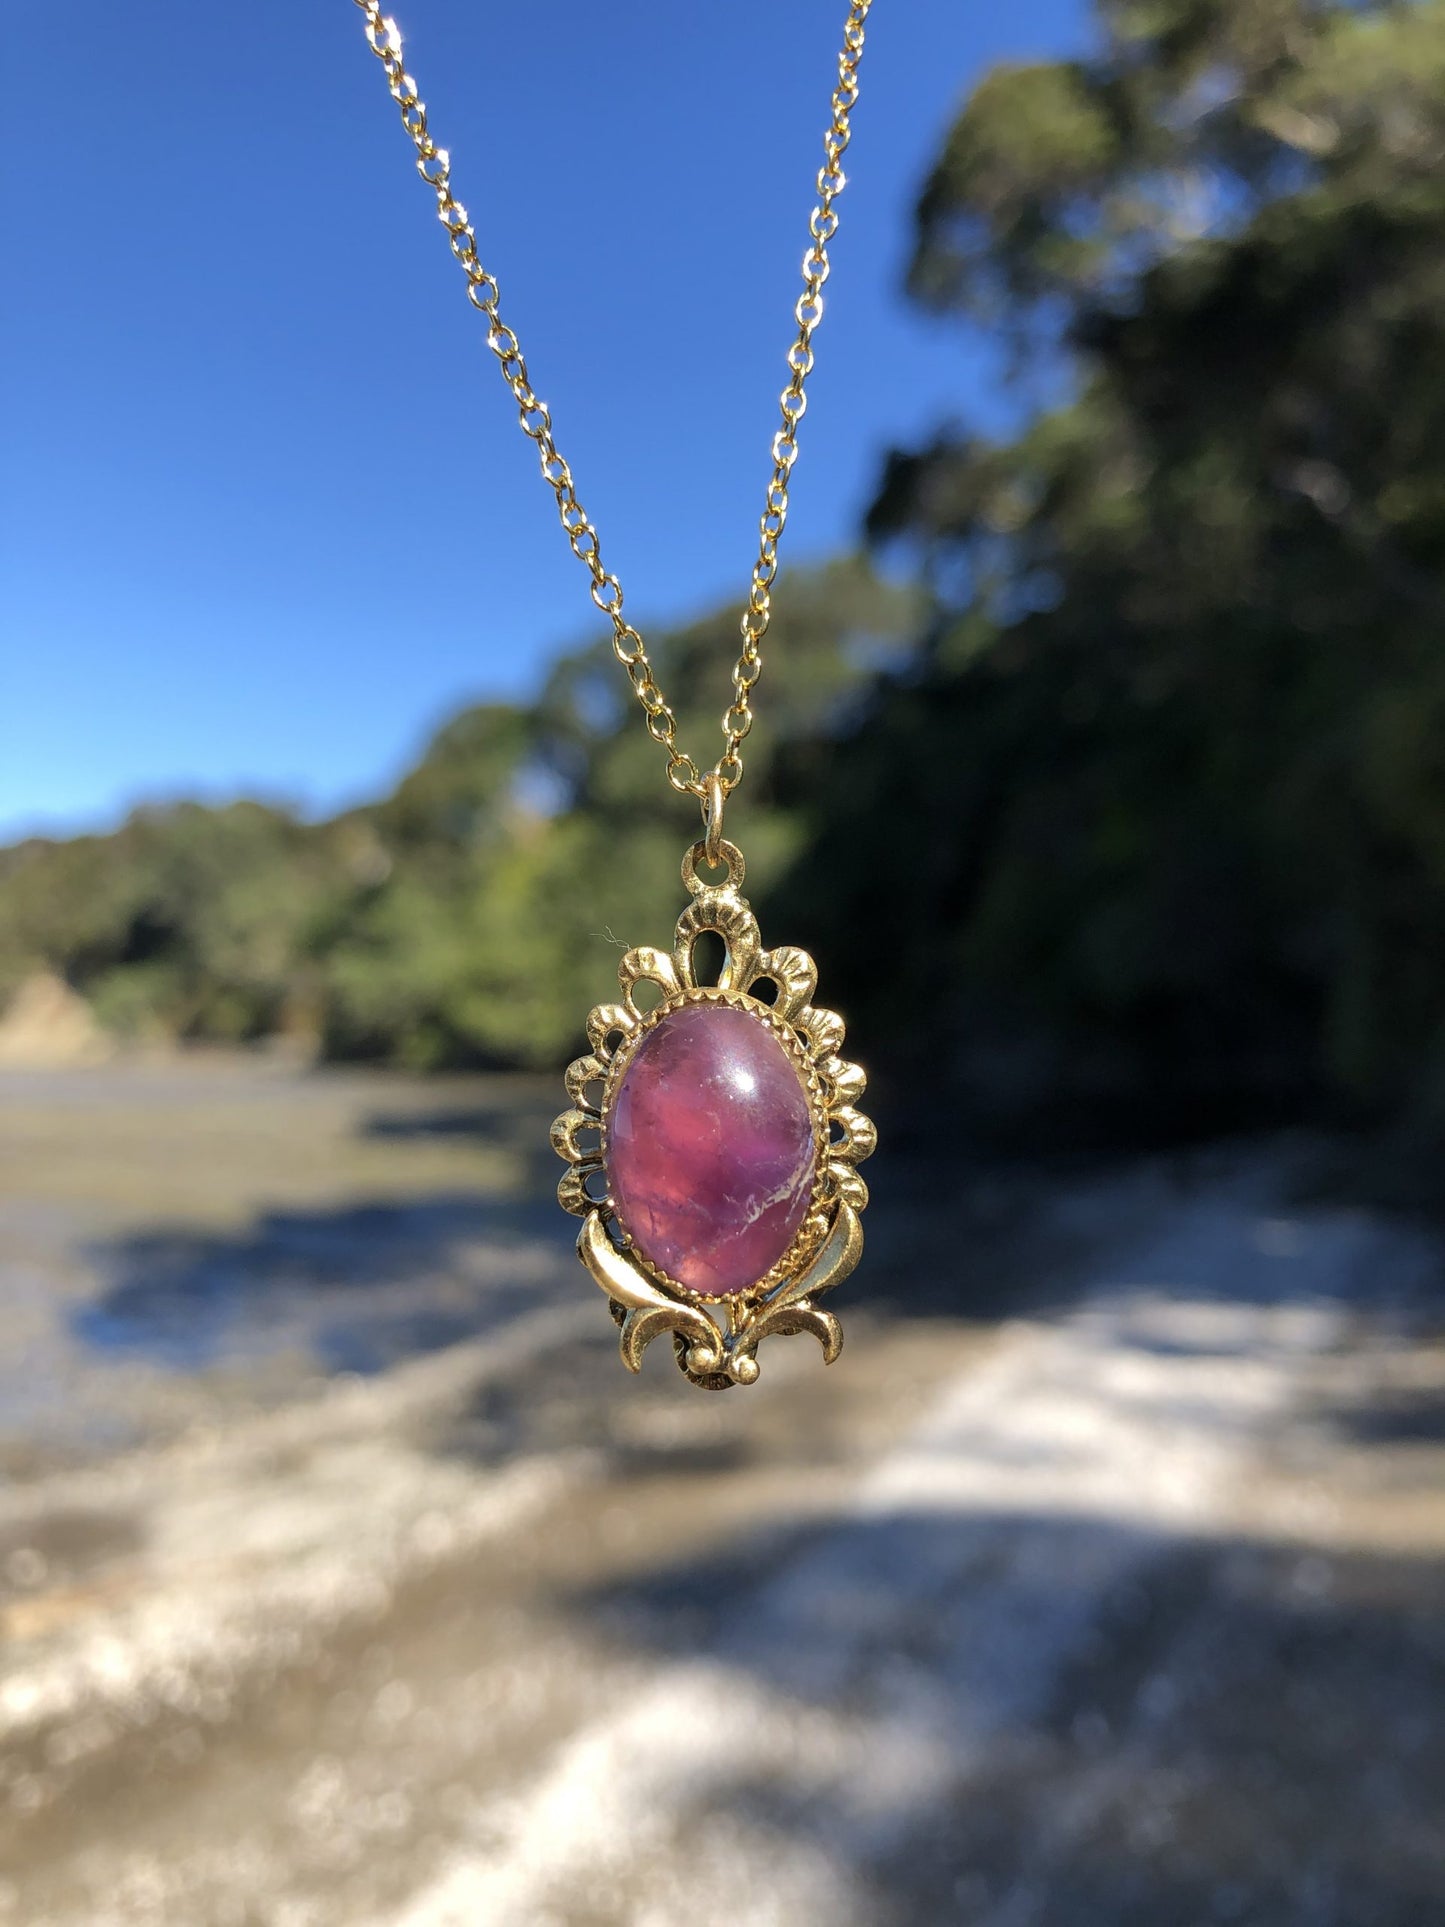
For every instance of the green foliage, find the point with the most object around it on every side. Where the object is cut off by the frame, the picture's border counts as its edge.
(473, 916)
(184, 923)
(1175, 746)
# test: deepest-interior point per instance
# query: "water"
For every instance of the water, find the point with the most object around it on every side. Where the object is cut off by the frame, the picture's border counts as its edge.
(348, 1581)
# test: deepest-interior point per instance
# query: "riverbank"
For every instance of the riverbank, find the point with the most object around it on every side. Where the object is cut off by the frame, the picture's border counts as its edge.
(350, 1582)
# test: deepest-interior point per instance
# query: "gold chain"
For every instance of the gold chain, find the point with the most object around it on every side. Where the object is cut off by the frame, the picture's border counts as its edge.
(434, 166)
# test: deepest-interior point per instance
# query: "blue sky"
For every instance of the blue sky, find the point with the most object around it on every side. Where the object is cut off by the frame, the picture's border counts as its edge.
(265, 512)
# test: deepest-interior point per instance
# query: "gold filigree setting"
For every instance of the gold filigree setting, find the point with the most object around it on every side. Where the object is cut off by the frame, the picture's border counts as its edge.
(716, 1338)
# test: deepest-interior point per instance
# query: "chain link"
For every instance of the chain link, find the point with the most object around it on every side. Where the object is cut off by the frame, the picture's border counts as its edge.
(434, 165)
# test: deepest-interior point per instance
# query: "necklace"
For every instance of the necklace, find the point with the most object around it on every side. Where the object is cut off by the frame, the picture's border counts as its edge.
(713, 1136)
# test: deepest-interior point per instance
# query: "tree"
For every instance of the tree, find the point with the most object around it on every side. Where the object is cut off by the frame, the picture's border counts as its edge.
(1166, 790)
(472, 916)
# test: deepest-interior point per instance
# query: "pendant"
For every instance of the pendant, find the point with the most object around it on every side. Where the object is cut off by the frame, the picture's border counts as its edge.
(712, 1144)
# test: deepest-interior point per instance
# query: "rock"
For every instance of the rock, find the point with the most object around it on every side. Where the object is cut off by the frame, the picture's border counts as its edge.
(48, 1023)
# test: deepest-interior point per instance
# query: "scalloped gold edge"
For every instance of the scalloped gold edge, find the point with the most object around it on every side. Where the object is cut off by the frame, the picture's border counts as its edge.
(717, 1337)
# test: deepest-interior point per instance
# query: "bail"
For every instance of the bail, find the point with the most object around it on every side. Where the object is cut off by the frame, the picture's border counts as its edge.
(713, 797)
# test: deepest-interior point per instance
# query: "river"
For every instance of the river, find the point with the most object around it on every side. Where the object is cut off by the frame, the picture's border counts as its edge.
(347, 1580)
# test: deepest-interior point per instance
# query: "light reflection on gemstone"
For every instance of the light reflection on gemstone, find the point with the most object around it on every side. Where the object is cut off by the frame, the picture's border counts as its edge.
(710, 1148)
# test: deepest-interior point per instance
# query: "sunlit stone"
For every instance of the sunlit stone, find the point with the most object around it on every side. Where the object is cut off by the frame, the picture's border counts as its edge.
(710, 1150)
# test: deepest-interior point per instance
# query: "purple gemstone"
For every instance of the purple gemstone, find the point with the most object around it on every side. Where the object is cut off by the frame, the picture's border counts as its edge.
(710, 1148)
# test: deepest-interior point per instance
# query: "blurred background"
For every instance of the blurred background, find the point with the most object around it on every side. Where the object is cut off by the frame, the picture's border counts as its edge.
(346, 1580)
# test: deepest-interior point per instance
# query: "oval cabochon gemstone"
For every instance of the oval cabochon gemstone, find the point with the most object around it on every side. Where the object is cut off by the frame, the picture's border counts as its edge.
(710, 1148)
